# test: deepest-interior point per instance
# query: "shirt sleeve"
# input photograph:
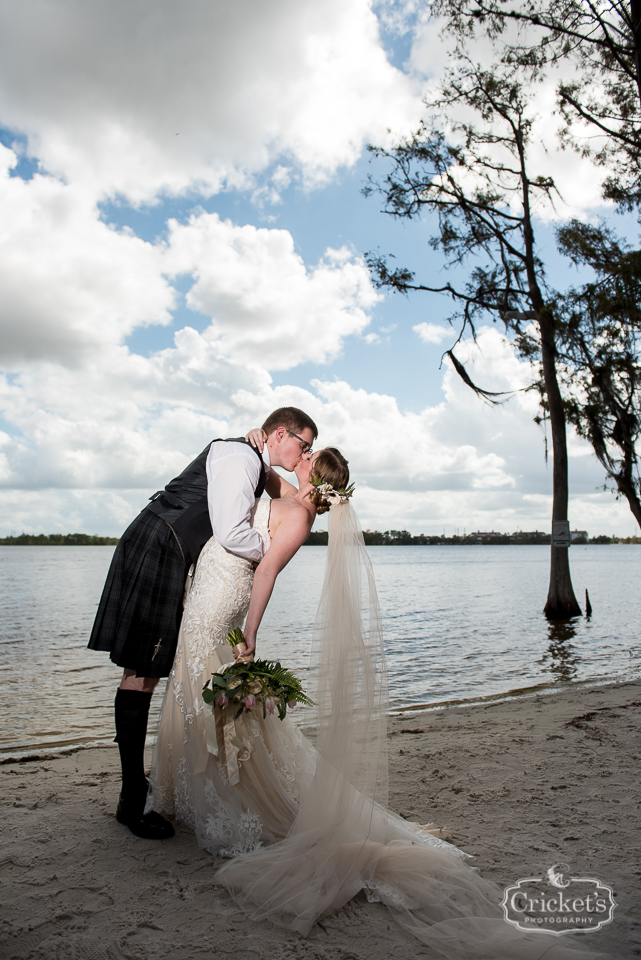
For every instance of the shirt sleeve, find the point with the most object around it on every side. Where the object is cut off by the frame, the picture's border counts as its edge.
(233, 471)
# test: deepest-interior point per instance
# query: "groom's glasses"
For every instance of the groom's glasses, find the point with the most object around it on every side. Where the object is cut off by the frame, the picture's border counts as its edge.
(307, 447)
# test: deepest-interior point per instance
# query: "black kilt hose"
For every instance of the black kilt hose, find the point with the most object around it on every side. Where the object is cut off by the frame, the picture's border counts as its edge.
(141, 607)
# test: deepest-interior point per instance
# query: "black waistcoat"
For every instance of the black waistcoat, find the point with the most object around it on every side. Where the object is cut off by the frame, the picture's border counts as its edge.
(183, 503)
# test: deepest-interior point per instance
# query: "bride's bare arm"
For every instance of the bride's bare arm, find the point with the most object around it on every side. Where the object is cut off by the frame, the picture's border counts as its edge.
(276, 486)
(287, 539)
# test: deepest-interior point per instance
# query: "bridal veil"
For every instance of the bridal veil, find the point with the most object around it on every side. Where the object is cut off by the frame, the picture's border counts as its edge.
(344, 839)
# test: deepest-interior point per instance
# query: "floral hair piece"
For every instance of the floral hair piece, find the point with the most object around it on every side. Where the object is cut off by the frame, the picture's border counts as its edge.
(328, 492)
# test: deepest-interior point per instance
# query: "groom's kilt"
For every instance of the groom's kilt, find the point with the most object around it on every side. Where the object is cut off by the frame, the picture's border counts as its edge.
(142, 602)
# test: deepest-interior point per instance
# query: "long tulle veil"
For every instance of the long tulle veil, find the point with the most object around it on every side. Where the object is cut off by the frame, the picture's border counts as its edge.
(344, 839)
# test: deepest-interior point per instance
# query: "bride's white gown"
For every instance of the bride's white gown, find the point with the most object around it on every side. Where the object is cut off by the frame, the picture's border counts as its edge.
(247, 795)
(308, 827)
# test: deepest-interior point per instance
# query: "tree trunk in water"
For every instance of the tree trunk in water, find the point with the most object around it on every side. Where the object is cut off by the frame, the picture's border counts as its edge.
(561, 602)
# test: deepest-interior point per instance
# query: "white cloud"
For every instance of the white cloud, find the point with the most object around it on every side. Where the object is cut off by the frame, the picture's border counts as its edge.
(432, 332)
(133, 99)
(149, 98)
(577, 179)
(461, 462)
(122, 420)
(112, 434)
(430, 52)
(69, 284)
(69, 511)
(266, 306)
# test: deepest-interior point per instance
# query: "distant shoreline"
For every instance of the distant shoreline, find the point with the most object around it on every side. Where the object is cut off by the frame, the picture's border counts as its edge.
(395, 538)
(373, 538)
(58, 540)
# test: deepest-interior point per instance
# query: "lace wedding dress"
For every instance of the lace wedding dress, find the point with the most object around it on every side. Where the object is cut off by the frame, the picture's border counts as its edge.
(308, 826)
(235, 783)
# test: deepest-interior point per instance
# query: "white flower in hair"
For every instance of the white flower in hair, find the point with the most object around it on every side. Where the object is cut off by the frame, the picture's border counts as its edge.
(328, 492)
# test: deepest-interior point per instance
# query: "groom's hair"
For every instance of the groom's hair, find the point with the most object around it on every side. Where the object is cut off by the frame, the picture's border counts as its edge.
(292, 419)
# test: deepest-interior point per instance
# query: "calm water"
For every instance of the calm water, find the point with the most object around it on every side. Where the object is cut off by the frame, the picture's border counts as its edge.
(460, 623)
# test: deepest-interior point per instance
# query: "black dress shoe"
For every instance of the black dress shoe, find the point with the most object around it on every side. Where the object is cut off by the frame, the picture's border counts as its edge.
(149, 826)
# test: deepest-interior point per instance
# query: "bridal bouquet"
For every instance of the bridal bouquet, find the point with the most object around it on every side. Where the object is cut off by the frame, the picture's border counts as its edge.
(254, 683)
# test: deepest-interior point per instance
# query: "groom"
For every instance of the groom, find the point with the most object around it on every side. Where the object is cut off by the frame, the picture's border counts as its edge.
(141, 606)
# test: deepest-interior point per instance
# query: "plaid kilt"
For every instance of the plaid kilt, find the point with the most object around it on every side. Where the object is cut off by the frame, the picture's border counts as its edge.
(142, 602)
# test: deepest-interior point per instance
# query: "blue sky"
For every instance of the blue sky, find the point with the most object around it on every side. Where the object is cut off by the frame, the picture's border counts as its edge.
(332, 215)
(335, 215)
(182, 252)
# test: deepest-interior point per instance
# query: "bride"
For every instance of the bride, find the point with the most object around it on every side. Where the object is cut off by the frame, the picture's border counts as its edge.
(306, 827)
(236, 783)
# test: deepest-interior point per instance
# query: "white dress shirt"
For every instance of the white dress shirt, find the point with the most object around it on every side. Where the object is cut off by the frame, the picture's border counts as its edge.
(233, 471)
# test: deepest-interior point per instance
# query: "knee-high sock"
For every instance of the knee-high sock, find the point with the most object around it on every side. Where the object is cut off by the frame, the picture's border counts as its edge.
(132, 713)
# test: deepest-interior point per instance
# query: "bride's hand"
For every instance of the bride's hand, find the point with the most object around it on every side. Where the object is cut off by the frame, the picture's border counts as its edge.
(248, 653)
(257, 438)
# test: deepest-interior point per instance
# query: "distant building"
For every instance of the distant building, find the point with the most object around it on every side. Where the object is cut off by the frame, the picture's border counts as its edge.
(579, 535)
(529, 536)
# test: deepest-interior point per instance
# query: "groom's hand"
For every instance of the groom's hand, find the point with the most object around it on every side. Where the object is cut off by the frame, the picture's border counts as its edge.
(257, 438)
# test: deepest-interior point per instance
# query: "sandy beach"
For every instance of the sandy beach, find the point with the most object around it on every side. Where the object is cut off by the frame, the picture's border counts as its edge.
(522, 784)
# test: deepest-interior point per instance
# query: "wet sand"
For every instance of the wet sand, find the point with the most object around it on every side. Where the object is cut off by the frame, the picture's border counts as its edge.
(522, 784)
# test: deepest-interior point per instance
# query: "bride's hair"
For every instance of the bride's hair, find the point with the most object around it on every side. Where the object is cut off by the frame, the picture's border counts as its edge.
(330, 466)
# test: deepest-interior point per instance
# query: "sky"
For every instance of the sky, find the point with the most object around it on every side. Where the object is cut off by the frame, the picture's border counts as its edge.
(182, 251)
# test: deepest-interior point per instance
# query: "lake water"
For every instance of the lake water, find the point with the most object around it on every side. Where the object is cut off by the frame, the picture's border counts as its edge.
(461, 623)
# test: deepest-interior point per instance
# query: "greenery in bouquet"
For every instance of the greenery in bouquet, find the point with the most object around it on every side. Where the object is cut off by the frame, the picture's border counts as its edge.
(255, 683)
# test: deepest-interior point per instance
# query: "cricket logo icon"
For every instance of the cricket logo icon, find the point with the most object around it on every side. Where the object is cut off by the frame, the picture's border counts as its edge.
(556, 877)
(558, 902)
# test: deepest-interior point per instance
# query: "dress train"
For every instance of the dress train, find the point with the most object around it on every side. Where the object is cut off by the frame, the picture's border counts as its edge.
(308, 826)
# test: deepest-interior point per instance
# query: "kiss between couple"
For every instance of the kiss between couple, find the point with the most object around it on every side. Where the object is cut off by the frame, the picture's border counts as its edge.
(305, 826)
